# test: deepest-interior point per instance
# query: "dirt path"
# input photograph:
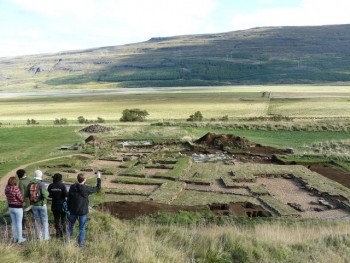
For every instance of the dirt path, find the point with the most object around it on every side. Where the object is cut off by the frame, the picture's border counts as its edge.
(3, 181)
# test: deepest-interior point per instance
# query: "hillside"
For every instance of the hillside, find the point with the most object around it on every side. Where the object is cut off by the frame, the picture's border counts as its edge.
(270, 55)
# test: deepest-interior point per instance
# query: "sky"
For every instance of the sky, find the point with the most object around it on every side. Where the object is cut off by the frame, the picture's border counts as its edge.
(50, 26)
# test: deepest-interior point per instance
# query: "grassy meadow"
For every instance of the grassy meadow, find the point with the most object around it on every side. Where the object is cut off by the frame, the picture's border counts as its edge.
(249, 110)
(184, 237)
(303, 102)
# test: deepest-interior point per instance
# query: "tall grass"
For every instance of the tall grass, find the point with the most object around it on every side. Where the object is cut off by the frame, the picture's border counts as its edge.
(113, 240)
(338, 151)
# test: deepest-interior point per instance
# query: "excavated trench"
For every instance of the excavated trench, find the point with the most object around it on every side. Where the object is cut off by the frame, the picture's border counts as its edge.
(130, 210)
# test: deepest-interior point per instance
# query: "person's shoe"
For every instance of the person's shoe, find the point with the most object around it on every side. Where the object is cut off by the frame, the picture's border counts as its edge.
(15, 240)
(21, 240)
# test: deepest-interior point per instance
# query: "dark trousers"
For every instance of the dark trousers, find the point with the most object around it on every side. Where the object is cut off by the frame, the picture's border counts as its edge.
(60, 222)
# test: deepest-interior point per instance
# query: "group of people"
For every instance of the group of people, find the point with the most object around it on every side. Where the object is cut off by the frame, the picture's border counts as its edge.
(72, 204)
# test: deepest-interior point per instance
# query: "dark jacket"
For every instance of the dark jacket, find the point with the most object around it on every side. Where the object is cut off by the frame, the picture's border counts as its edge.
(58, 192)
(78, 201)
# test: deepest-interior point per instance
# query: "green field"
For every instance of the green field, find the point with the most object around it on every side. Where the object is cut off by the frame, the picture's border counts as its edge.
(318, 116)
(302, 102)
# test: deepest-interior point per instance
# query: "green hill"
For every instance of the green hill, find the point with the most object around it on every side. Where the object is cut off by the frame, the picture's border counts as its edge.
(269, 55)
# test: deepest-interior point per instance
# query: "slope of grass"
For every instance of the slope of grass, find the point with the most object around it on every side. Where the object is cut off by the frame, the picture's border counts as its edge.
(112, 240)
(32, 144)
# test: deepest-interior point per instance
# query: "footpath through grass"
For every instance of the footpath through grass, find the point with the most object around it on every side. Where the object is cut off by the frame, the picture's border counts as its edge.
(22, 145)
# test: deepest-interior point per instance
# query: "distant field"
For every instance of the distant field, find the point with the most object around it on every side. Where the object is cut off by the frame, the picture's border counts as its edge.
(236, 102)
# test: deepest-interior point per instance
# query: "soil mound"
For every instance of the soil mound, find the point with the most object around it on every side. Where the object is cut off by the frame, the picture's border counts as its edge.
(93, 138)
(212, 139)
(95, 129)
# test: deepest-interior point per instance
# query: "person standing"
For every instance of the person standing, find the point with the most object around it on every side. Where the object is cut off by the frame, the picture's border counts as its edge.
(39, 207)
(58, 192)
(78, 204)
(22, 185)
(15, 202)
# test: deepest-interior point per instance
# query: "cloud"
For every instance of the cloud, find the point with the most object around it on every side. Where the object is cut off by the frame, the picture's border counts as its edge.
(32, 33)
(310, 12)
(79, 24)
(117, 20)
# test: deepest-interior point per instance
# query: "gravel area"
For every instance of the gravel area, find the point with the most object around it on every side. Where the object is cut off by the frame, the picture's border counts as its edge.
(289, 191)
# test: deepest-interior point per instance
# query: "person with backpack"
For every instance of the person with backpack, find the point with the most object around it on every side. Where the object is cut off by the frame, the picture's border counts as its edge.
(78, 204)
(58, 193)
(15, 202)
(22, 185)
(38, 195)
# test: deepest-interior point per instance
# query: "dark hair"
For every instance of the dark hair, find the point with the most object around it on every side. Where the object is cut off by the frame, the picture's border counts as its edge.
(57, 177)
(12, 180)
(81, 177)
(20, 173)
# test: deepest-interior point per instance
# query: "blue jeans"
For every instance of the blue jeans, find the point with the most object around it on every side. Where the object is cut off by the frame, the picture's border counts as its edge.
(40, 216)
(82, 223)
(16, 215)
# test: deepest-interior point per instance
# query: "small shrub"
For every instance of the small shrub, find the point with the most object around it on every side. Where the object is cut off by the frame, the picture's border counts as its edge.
(197, 116)
(63, 121)
(224, 118)
(31, 122)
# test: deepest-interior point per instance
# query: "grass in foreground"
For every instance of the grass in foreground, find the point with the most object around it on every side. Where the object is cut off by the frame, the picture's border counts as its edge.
(234, 240)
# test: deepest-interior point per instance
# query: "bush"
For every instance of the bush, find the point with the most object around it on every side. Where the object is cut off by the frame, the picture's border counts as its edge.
(32, 121)
(224, 118)
(100, 120)
(60, 121)
(82, 120)
(133, 115)
(197, 116)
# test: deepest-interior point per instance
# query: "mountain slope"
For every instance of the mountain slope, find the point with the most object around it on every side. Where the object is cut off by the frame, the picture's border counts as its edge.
(270, 55)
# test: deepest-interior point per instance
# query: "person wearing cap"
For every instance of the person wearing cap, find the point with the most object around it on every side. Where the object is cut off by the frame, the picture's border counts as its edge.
(15, 202)
(22, 185)
(39, 208)
(78, 204)
(58, 193)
